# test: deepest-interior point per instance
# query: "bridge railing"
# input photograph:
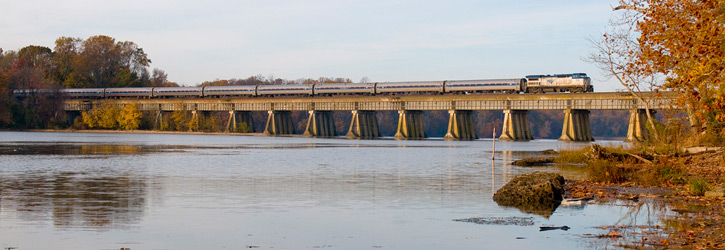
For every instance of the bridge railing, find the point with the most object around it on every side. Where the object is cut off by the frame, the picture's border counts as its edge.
(589, 101)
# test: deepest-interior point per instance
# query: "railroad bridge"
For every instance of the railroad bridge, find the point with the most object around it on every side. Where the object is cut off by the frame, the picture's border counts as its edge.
(364, 124)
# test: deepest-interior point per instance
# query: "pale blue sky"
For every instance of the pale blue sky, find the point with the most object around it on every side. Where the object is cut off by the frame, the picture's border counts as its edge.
(394, 40)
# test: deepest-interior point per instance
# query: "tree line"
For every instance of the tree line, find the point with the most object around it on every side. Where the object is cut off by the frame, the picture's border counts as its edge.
(651, 45)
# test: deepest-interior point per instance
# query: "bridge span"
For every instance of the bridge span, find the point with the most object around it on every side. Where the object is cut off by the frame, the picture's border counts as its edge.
(364, 125)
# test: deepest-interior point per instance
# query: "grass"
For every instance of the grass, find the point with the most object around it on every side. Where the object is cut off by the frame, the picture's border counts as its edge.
(571, 156)
(699, 186)
(606, 171)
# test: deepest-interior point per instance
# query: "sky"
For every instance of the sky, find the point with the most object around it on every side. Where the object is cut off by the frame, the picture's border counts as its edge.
(392, 40)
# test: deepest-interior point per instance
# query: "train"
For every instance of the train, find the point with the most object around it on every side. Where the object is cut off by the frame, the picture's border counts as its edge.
(574, 83)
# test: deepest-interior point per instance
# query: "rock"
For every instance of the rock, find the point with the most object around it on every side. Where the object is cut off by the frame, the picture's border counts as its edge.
(714, 194)
(549, 152)
(506, 221)
(528, 162)
(717, 191)
(537, 193)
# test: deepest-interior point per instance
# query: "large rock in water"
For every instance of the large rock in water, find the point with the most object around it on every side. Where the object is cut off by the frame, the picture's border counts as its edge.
(537, 193)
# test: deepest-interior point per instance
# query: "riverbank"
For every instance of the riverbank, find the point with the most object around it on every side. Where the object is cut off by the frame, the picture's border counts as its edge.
(690, 187)
(101, 131)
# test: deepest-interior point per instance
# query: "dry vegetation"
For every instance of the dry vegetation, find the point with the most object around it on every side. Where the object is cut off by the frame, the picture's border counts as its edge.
(676, 178)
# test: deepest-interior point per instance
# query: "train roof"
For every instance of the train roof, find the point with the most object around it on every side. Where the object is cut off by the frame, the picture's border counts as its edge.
(573, 75)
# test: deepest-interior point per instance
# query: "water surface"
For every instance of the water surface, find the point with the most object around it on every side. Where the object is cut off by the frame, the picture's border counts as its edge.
(172, 191)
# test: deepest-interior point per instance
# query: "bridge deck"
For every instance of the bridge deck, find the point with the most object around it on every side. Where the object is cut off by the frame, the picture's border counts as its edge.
(558, 101)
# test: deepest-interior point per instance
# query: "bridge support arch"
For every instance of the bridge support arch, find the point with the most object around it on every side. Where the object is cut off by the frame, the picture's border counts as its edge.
(460, 126)
(410, 125)
(240, 118)
(516, 126)
(364, 125)
(279, 123)
(320, 124)
(637, 130)
(576, 126)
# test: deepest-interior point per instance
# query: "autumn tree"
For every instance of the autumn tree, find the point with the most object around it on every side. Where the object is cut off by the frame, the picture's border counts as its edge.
(99, 61)
(129, 118)
(684, 41)
(6, 98)
(104, 116)
(159, 78)
(66, 59)
(616, 53)
(31, 71)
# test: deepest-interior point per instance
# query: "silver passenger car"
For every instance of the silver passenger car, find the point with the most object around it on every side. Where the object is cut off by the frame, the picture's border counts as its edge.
(486, 86)
(83, 93)
(235, 90)
(165, 92)
(293, 89)
(409, 87)
(129, 92)
(344, 88)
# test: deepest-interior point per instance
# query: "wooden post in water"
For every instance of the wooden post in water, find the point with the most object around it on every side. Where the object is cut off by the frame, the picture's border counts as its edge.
(494, 144)
(493, 165)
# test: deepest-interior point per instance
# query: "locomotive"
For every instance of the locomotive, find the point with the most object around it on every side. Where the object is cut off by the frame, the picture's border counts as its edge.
(574, 83)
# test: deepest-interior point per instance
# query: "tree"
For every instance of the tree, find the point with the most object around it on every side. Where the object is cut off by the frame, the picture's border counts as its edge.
(129, 117)
(616, 53)
(66, 60)
(105, 116)
(103, 62)
(6, 98)
(683, 40)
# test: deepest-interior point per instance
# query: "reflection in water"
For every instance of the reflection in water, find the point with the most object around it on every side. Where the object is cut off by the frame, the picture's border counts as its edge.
(74, 200)
(111, 191)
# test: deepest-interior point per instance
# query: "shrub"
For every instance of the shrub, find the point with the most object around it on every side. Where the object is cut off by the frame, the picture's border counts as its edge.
(699, 186)
(606, 171)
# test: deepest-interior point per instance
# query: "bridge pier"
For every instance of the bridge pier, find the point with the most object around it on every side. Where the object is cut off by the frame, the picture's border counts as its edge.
(194, 124)
(364, 125)
(460, 126)
(320, 124)
(516, 126)
(279, 123)
(576, 126)
(158, 120)
(410, 125)
(240, 118)
(637, 130)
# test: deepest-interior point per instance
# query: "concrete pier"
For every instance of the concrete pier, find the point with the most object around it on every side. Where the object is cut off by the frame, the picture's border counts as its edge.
(364, 125)
(516, 126)
(576, 126)
(279, 123)
(460, 126)
(194, 123)
(159, 120)
(320, 124)
(637, 130)
(410, 125)
(240, 118)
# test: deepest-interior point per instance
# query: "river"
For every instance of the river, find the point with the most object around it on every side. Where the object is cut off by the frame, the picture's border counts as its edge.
(188, 191)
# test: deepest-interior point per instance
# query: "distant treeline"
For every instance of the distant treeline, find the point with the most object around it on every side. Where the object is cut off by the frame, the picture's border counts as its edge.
(101, 61)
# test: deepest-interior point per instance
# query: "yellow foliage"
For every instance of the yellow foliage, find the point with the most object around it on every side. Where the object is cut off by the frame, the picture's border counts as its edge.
(129, 117)
(104, 117)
